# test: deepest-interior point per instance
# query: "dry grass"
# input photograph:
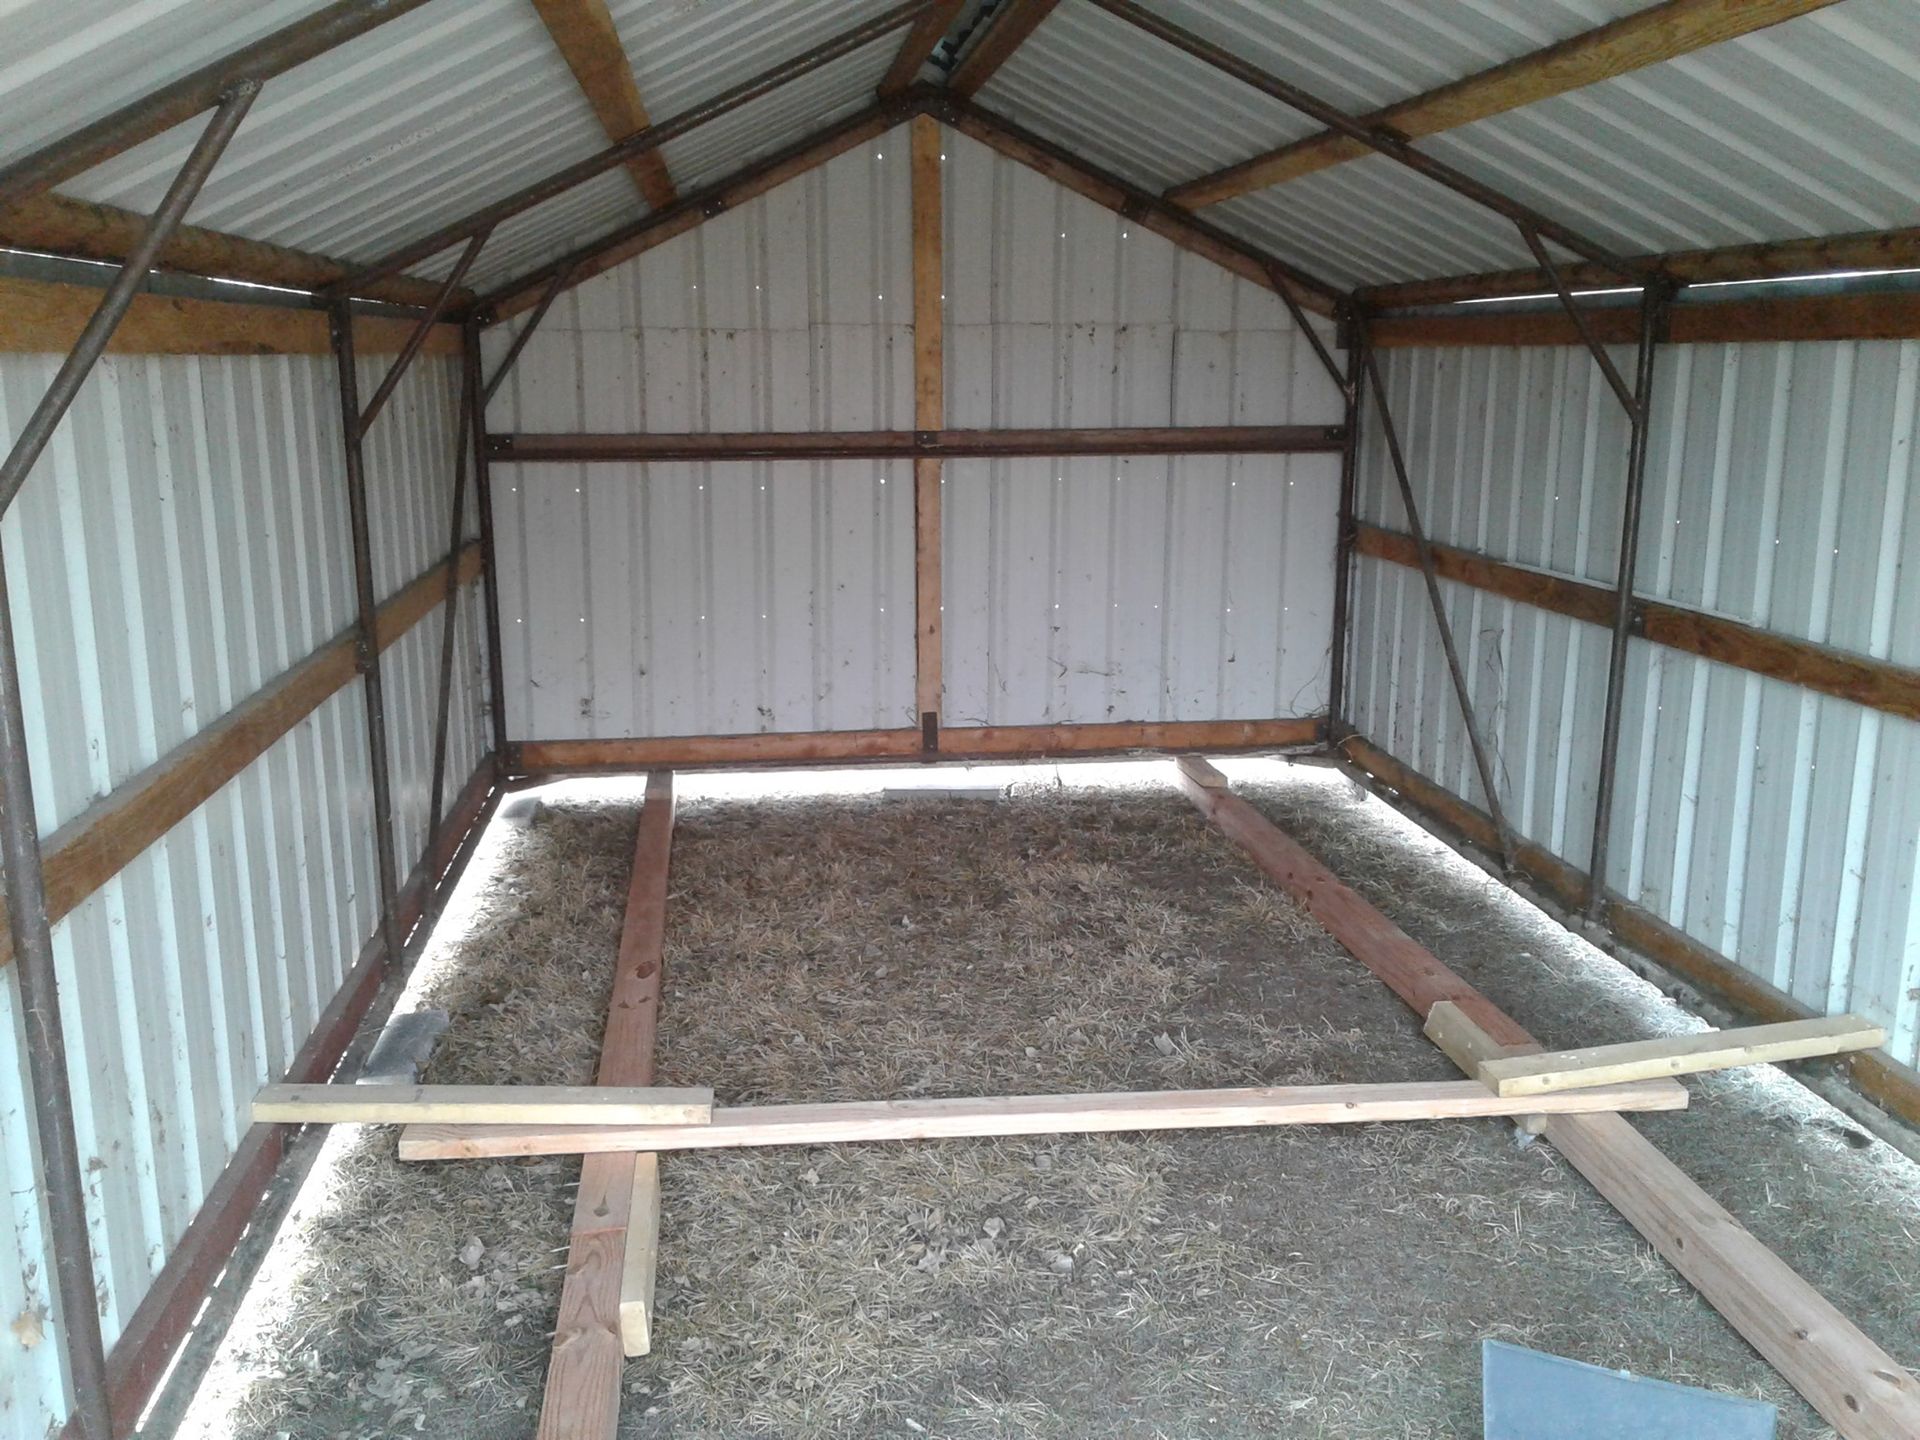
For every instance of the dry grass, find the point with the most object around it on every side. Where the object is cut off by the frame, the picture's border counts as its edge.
(1300, 1282)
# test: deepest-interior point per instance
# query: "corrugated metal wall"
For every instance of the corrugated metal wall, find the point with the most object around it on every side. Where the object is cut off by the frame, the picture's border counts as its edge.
(185, 541)
(1779, 827)
(713, 599)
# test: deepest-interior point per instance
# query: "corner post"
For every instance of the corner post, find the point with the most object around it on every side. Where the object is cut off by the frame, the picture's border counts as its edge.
(1339, 718)
(929, 415)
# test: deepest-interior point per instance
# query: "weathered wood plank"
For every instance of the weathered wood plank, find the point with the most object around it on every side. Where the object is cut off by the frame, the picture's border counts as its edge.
(1005, 33)
(482, 1105)
(1552, 1071)
(589, 41)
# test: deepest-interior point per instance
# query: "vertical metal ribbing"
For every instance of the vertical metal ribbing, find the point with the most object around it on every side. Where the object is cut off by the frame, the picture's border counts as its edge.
(490, 575)
(86, 352)
(1339, 720)
(1654, 302)
(367, 640)
(1481, 760)
(32, 936)
(450, 604)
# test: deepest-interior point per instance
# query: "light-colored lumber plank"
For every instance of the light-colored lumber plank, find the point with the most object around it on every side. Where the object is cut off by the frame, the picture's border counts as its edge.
(1555, 1070)
(929, 412)
(582, 1397)
(482, 1105)
(735, 1126)
(589, 41)
(1658, 33)
(643, 1249)
(107, 836)
(1858, 1388)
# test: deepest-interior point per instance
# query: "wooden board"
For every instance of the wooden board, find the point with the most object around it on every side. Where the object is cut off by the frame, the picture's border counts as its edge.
(1464, 1042)
(736, 1126)
(1888, 315)
(481, 1105)
(929, 414)
(1858, 1388)
(643, 1249)
(1011, 24)
(588, 40)
(582, 1397)
(1555, 1070)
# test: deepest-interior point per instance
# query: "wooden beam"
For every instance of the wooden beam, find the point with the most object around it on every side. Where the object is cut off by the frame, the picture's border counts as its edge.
(638, 1267)
(1556, 1070)
(961, 742)
(621, 245)
(1011, 24)
(1649, 37)
(1855, 1385)
(481, 1105)
(88, 230)
(589, 42)
(929, 417)
(1876, 684)
(46, 317)
(99, 842)
(1768, 260)
(922, 36)
(930, 443)
(854, 1122)
(1109, 191)
(1464, 1042)
(1893, 315)
(582, 1397)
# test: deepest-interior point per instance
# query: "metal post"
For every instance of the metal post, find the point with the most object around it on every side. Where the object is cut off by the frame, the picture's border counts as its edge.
(1480, 760)
(1654, 301)
(1338, 716)
(490, 573)
(367, 640)
(47, 1055)
(422, 328)
(92, 343)
(463, 434)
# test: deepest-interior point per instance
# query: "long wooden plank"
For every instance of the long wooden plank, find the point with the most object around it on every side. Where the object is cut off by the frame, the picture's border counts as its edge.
(89, 230)
(589, 41)
(1464, 1042)
(1877, 684)
(1006, 32)
(1552, 1071)
(1658, 33)
(1855, 1385)
(915, 50)
(639, 1265)
(929, 415)
(482, 1105)
(930, 442)
(863, 1120)
(99, 842)
(969, 742)
(47, 317)
(582, 1399)
(1892, 315)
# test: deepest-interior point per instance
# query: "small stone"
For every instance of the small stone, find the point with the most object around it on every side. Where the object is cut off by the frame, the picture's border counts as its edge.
(1032, 1054)
(471, 1252)
(1164, 1045)
(1061, 1264)
(993, 1225)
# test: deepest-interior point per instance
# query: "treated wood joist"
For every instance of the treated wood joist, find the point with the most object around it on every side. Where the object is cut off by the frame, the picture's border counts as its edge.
(617, 1197)
(46, 317)
(1564, 888)
(925, 33)
(88, 230)
(1142, 207)
(1006, 32)
(957, 742)
(929, 416)
(99, 842)
(589, 41)
(854, 1122)
(1856, 1386)
(1769, 260)
(1892, 315)
(1658, 33)
(290, 1104)
(1877, 684)
(691, 211)
(921, 444)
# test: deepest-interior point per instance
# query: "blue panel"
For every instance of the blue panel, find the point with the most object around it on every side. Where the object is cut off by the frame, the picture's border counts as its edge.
(1531, 1396)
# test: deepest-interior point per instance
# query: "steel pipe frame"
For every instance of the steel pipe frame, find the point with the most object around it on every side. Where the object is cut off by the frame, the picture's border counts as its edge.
(87, 350)
(463, 434)
(489, 569)
(367, 648)
(639, 143)
(547, 297)
(1508, 851)
(1385, 142)
(1580, 321)
(423, 327)
(1655, 300)
(1346, 533)
(30, 930)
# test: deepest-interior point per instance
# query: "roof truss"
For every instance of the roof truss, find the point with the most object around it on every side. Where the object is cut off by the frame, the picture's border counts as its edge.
(589, 42)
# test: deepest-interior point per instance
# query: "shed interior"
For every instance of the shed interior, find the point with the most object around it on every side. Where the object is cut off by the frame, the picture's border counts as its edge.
(493, 429)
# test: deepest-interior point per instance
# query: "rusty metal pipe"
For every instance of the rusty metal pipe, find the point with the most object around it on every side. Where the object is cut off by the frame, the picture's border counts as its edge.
(423, 327)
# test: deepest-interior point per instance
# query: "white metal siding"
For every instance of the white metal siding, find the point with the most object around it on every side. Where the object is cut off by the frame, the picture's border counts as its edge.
(185, 541)
(715, 599)
(1779, 827)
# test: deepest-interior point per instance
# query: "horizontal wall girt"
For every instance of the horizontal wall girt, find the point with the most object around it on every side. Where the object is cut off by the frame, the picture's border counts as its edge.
(1892, 315)
(923, 444)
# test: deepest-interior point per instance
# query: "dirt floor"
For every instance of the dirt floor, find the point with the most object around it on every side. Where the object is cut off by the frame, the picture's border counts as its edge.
(1306, 1282)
